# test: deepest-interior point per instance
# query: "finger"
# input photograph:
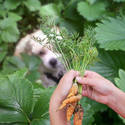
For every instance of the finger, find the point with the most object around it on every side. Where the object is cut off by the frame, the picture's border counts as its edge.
(72, 74)
(91, 74)
(87, 81)
(69, 76)
(66, 82)
(87, 91)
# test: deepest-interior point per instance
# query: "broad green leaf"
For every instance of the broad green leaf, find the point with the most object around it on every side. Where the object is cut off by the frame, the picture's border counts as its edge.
(71, 12)
(2, 11)
(120, 82)
(17, 94)
(9, 116)
(12, 64)
(96, 107)
(33, 76)
(91, 11)
(88, 117)
(40, 122)
(31, 62)
(9, 30)
(11, 4)
(71, 26)
(50, 10)
(14, 16)
(110, 34)
(41, 109)
(16, 61)
(32, 5)
(18, 74)
(91, 1)
(109, 63)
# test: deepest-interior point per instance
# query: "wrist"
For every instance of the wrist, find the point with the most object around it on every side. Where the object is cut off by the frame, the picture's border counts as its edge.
(113, 96)
(116, 101)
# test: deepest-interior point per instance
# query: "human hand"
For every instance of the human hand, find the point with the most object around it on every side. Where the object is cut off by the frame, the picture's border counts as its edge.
(60, 93)
(96, 87)
(102, 90)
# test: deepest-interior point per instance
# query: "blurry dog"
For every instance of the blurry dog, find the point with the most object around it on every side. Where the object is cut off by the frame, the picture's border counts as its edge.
(51, 69)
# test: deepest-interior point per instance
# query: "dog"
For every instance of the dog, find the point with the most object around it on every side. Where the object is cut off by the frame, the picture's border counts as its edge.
(51, 68)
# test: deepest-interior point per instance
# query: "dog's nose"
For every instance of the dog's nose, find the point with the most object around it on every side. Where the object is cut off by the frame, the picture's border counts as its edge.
(53, 62)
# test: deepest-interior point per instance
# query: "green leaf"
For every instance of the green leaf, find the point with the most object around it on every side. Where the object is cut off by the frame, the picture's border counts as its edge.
(9, 30)
(91, 11)
(88, 117)
(41, 109)
(50, 10)
(14, 16)
(3, 51)
(12, 64)
(17, 94)
(71, 12)
(40, 122)
(18, 74)
(96, 107)
(91, 1)
(2, 11)
(11, 4)
(32, 5)
(120, 82)
(110, 34)
(31, 62)
(9, 116)
(109, 63)
(33, 76)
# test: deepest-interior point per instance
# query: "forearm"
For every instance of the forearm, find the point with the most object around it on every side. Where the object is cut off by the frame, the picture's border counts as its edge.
(117, 102)
(57, 117)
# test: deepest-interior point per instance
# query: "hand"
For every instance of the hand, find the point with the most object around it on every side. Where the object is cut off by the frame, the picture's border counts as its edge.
(60, 93)
(102, 90)
(96, 87)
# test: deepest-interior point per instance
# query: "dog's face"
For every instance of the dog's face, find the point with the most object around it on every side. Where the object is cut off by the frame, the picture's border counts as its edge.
(49, 58)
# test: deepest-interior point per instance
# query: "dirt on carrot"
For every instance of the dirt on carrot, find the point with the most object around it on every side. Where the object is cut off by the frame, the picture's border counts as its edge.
(78, 115)
(72, 106)
(70, 110)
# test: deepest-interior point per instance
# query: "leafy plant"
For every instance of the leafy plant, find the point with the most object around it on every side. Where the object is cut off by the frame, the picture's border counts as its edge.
(18, 18)
(20, 102)
(92, 11)
(120, 81)
(110, 34)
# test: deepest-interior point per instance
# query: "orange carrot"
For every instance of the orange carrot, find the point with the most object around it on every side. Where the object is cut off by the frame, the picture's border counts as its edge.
(70, 110)
(70, 100)
(73, 91)
(78, 115)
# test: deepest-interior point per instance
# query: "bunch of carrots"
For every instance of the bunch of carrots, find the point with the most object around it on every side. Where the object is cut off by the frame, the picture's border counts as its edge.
(78, 52)
(72, 106)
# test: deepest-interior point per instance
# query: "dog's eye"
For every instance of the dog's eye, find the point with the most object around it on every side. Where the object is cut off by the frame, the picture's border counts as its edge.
(41, 53)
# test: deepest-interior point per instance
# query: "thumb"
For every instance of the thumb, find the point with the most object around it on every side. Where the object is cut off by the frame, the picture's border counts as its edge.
(86, 81)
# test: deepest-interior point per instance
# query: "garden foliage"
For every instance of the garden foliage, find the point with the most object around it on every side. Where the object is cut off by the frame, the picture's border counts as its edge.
(22, 100)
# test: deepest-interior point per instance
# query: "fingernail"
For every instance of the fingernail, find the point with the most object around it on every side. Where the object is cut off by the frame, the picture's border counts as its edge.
(78, 78)
(77, 73)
